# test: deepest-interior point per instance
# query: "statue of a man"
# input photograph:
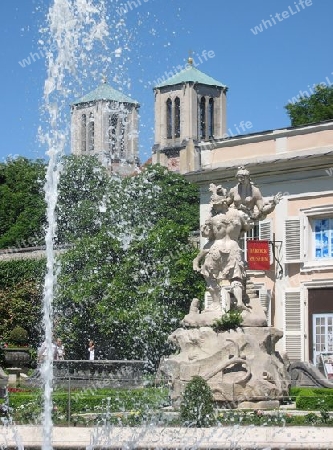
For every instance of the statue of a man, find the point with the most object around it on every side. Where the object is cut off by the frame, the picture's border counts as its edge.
(246, 197)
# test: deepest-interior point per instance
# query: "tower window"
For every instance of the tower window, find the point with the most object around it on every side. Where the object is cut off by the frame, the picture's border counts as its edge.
(91, 132)
(169, 118)
(177, 117)
(83, 133)
(202, 114)
(113, 121)
(211, 118)
(122, 138)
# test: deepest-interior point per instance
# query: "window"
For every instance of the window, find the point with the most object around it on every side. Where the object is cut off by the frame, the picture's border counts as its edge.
(253, 233)
(83, 133)
(91, 132)
(122, 138)
(202, 113)
(113, 121)
(177, 117)
(261, 230)
(322, 232)
(309, 238)
(211, 118)
(169, 118)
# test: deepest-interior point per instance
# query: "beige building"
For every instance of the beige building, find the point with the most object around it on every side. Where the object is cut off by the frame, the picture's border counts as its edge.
(297, 291)
(104, 123)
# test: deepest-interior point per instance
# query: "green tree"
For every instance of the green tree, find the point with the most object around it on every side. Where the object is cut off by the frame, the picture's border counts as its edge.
(22, 205)
(316, 108)
(128, 281)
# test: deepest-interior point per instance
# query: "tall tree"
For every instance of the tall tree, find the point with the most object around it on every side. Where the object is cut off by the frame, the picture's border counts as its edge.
(129, 282)
(316, 108)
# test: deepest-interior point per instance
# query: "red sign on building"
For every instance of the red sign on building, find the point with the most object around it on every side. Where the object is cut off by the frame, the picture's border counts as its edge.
(258, 255)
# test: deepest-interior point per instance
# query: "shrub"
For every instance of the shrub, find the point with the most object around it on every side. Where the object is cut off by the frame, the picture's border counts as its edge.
(133, 405)
(196, 409)
(314, 399)
(229, 321)
(18, 336)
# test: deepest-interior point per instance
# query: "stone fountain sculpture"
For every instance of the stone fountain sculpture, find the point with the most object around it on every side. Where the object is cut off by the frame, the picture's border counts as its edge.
(241, 366)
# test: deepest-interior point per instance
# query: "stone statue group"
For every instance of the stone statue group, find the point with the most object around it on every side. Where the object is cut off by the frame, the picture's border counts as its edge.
(241, 366)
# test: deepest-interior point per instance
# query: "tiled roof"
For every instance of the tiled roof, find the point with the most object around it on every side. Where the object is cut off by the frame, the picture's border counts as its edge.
(105, 92)
(191, 74)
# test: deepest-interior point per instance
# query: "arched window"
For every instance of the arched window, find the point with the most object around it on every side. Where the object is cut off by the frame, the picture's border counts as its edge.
(202, 112)
(169, 118)
(83, 133)
(211, 118)
(91, 132)
(113, 121)
(122, 138)
(177, 117)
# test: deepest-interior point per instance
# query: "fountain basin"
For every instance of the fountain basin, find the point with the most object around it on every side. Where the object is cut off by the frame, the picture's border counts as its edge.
(289, 438)
(98, 374)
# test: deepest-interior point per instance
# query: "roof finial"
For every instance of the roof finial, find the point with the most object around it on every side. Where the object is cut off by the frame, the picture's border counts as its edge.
(104, 78)
(190, 59)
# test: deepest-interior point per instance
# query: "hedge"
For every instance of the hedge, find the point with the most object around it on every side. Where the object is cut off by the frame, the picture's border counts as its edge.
(314, 399)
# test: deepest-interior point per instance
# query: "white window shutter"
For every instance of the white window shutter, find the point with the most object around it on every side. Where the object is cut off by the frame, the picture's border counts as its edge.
(292, 240)
(266, 234)
(293, 325)
(265, 302)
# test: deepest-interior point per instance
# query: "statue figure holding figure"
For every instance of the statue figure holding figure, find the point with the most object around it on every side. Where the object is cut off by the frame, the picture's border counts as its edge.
(221, 256)
(232, 214)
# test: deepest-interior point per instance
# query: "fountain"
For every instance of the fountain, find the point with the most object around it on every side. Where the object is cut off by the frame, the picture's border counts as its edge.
(240, 365)
(66, 20)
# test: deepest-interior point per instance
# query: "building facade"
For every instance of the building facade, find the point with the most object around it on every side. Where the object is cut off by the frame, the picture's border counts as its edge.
(104, 123)
(297, 290)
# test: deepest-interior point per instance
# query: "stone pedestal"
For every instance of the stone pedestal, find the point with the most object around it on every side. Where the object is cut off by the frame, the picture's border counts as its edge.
(241, 366)
(17, 357)
(14, 376)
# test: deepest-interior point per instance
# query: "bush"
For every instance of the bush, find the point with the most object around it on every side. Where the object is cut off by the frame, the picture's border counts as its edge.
(314, 399)
(131, 405)
(229, 321)
(18, 336)
(196, 409)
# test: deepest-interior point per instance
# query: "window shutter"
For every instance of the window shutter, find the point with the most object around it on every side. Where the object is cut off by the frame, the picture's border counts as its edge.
(293, 325)
(264, 298)
(292, 240)
(265, 234)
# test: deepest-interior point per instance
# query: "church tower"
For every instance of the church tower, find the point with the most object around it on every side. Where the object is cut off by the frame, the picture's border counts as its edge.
(104, 123)
(190, 108)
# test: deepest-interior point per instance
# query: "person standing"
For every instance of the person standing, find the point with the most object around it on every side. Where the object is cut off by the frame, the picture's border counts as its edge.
(60, 350)
(91, 350)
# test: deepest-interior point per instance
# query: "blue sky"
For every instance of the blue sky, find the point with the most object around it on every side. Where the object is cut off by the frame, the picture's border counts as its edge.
(263, 69)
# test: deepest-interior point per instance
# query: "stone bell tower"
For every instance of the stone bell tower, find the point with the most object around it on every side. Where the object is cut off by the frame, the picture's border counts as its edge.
(190, 107)
(104, 123)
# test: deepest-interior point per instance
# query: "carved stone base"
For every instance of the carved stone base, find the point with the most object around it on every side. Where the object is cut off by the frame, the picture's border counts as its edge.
(239, 365)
